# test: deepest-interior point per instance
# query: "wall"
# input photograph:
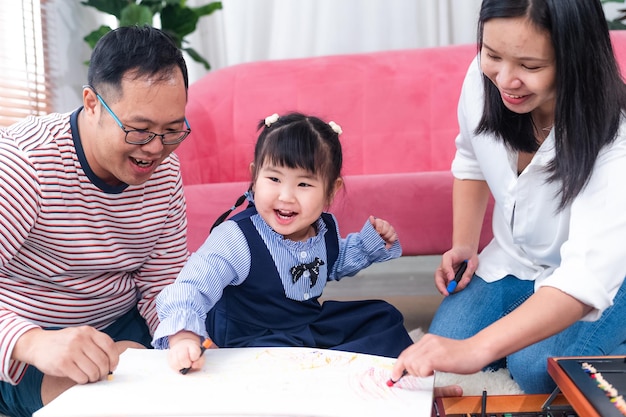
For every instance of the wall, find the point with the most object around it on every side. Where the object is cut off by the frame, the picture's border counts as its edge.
(250, 30)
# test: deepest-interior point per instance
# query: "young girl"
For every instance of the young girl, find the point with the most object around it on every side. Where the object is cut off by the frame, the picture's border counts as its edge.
(257, 279)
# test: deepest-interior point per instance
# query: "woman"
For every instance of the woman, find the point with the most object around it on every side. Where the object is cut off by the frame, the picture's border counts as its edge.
(542, 129)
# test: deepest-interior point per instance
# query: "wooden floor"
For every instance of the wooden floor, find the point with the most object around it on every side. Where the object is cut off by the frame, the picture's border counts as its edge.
(407, 283)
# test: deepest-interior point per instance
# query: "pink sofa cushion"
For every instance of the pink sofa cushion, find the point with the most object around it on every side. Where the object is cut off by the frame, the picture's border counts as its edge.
(417, 204)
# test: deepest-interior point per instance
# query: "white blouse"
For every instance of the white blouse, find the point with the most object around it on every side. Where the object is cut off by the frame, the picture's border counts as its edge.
(580, 250)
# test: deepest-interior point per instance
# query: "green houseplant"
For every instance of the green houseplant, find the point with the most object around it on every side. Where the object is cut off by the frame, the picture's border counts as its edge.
(176, 18)
(620, 21)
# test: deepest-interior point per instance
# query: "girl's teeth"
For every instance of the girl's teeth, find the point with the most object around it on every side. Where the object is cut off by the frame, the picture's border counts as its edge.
(284, 213)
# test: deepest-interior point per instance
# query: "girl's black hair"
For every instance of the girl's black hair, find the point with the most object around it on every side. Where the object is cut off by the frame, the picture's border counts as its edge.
(296, 140)
(590, 92)
(299, 141)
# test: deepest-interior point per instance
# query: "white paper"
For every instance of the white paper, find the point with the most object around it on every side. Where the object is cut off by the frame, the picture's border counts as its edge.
(274, 382)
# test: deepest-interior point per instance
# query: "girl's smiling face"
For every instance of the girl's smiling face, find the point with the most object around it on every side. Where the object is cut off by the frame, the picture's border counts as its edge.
(290, 200)
(519, 59)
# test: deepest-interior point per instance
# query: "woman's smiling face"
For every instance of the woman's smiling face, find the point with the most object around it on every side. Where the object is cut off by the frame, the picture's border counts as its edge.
(519, 59)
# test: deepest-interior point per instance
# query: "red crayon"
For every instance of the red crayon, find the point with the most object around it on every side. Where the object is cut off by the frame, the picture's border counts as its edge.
(391, 382)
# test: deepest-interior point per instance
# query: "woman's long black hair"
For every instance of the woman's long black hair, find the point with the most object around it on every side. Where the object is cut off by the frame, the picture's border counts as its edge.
(590, 92)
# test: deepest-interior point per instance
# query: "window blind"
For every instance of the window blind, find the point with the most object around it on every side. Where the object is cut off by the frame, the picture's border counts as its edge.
(24, 88)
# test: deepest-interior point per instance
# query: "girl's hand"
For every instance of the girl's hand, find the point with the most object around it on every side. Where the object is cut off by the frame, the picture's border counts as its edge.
(450, 263)
(385, 230)
(185, 351)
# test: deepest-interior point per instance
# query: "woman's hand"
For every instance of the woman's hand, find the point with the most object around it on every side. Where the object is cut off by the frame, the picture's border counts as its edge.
(435, 353)
(450, 263)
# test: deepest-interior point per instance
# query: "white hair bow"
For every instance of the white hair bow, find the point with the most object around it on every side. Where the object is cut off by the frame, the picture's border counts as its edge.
(269, 120)
(335, 127)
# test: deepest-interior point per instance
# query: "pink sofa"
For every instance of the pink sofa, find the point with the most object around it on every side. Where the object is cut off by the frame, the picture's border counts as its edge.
(398, 114)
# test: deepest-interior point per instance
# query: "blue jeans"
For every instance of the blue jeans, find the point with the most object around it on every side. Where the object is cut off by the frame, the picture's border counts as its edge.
(463, 314)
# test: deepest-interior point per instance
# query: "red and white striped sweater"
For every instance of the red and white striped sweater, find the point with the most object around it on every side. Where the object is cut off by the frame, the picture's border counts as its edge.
(74, 253)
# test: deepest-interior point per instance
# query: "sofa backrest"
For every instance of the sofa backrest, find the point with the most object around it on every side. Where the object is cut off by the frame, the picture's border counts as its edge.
(397, 110)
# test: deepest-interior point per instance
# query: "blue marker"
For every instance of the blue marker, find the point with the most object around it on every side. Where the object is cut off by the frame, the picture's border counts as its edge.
(457, 277)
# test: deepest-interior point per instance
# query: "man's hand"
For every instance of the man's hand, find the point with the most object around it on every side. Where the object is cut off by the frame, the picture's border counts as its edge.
(82, 354)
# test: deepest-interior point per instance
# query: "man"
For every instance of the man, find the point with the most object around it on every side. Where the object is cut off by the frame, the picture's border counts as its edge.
(92, 221)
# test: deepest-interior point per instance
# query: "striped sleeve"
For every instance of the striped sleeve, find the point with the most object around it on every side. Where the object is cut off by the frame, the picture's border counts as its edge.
(18, 205)
(359, 250)
(223, 259)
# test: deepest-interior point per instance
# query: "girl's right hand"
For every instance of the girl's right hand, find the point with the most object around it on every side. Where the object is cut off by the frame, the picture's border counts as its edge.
(450, 263)
(185, 351)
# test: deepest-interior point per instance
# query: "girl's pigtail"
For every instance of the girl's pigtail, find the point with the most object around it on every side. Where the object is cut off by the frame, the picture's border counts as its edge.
(225, 215)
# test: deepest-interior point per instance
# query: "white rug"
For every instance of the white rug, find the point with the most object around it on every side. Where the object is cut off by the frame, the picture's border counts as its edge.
(495, 383)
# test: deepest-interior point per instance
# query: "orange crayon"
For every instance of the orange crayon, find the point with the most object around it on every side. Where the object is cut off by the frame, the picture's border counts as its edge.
(204, 346)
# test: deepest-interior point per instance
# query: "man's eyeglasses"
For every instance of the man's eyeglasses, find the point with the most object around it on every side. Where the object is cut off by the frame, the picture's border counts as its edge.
(141, 137)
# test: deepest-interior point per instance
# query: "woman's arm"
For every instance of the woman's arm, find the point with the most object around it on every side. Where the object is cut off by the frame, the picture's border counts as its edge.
(544, 314)
(469, 204)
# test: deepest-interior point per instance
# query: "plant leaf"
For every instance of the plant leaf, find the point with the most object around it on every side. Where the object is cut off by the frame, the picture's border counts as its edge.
(155, 5)
(197, 57)
(207, 9)
(113, 7)
(180, 20)
(177, 20)
(135, 14)
(95, 36)
(616, 25)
